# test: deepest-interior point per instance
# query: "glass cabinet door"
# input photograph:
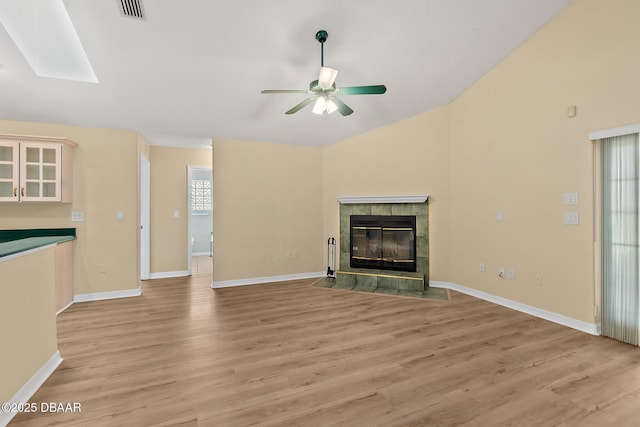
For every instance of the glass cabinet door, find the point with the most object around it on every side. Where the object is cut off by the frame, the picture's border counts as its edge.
(40, 172)
(9, 171)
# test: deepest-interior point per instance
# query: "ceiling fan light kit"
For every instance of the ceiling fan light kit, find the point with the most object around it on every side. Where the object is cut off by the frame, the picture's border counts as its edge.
(324, 90)
(327, 77)
(320, 106)
(323, 105)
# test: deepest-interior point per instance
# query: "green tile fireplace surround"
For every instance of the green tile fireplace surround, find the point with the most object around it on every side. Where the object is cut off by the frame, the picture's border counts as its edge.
(384, 281)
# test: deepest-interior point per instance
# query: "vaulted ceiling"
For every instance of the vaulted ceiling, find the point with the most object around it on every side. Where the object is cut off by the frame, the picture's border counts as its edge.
(193, 70)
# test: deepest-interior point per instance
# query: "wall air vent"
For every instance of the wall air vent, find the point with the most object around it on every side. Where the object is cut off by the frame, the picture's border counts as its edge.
(132, 8)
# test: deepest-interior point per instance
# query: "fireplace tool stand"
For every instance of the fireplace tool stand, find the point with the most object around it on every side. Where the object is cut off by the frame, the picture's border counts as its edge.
(331, 258)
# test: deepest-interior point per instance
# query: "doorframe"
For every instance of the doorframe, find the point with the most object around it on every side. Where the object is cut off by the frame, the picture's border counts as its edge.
(190, 169)
(145, 217)
(597, 234)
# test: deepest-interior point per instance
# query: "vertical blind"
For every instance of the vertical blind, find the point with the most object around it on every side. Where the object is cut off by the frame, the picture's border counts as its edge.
(620, 238)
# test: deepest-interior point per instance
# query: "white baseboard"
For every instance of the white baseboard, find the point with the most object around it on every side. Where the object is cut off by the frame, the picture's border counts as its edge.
(97, 296)
(35, 382)
(269, 279)
(64, 308)
(168, 274)
(590, 328)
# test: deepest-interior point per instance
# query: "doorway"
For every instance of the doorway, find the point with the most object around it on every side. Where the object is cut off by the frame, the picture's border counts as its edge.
(200, 219)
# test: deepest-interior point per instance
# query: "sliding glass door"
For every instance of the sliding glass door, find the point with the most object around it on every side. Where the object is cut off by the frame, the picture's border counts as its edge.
(621, 238)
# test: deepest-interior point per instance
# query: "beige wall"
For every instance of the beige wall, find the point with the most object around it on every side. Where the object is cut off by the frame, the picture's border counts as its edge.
(514, 149)
(28, 319)
(267, 214)
(410, 157)
(168, 194)
(105, 182)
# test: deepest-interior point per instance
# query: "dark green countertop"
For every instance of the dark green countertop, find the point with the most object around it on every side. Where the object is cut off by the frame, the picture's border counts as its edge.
(22, 245)
(16, 241)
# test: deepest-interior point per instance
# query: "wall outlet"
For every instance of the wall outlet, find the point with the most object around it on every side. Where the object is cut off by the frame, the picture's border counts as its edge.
(120, 216)
(482, 267)
(511, 274)
(102, 268)
(538, 280)
(501, 272)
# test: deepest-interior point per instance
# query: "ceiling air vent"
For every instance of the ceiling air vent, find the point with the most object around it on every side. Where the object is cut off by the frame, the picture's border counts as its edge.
(132, 8)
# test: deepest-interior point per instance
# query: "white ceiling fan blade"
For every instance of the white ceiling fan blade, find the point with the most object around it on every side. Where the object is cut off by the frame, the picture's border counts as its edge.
(327, 77)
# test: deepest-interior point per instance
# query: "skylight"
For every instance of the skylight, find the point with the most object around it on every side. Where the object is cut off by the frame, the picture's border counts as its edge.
(43, 32)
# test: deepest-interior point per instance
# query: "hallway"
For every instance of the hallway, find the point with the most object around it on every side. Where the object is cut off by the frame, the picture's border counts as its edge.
(202, 264)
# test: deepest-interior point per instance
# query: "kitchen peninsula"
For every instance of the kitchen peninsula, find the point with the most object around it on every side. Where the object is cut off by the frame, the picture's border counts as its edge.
(36, 278)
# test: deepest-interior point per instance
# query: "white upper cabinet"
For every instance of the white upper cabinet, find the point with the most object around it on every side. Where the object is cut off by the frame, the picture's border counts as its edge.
(9, 171)
(36, 169)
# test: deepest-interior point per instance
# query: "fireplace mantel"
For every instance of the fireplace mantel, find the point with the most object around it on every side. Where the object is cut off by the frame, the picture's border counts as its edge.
(351, 200)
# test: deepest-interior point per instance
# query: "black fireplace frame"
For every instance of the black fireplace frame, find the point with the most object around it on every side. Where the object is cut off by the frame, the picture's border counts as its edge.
(382, 221)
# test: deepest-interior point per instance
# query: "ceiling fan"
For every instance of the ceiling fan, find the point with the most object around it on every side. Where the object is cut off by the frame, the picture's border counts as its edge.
(324, 90)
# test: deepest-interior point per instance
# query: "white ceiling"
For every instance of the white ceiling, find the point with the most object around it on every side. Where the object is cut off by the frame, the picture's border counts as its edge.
(193, 70)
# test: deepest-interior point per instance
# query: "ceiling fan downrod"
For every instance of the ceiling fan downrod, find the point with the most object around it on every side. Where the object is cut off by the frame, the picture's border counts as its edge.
(321, 36)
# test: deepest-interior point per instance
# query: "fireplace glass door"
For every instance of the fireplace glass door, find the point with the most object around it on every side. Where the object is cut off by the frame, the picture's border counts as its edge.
(383, 242)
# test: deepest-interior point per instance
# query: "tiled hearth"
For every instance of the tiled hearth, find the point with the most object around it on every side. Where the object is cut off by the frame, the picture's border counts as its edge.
(385, 281)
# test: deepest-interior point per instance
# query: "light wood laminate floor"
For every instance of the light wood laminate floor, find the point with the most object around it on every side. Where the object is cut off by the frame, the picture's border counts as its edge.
(292, 354)
(201, 264)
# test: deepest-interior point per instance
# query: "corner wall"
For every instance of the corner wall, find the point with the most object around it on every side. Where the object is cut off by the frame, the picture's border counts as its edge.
(410, 157)
(267, 211)
(506, 145)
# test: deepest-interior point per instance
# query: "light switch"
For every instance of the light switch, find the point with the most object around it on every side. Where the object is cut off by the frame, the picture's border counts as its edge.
(77, 216)
(120, 216)
(571, 218)
(176, 214)
(500, 216)
(570, 198)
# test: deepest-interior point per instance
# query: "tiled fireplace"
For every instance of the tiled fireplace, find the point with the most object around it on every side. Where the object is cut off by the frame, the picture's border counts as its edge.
(398, 262)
